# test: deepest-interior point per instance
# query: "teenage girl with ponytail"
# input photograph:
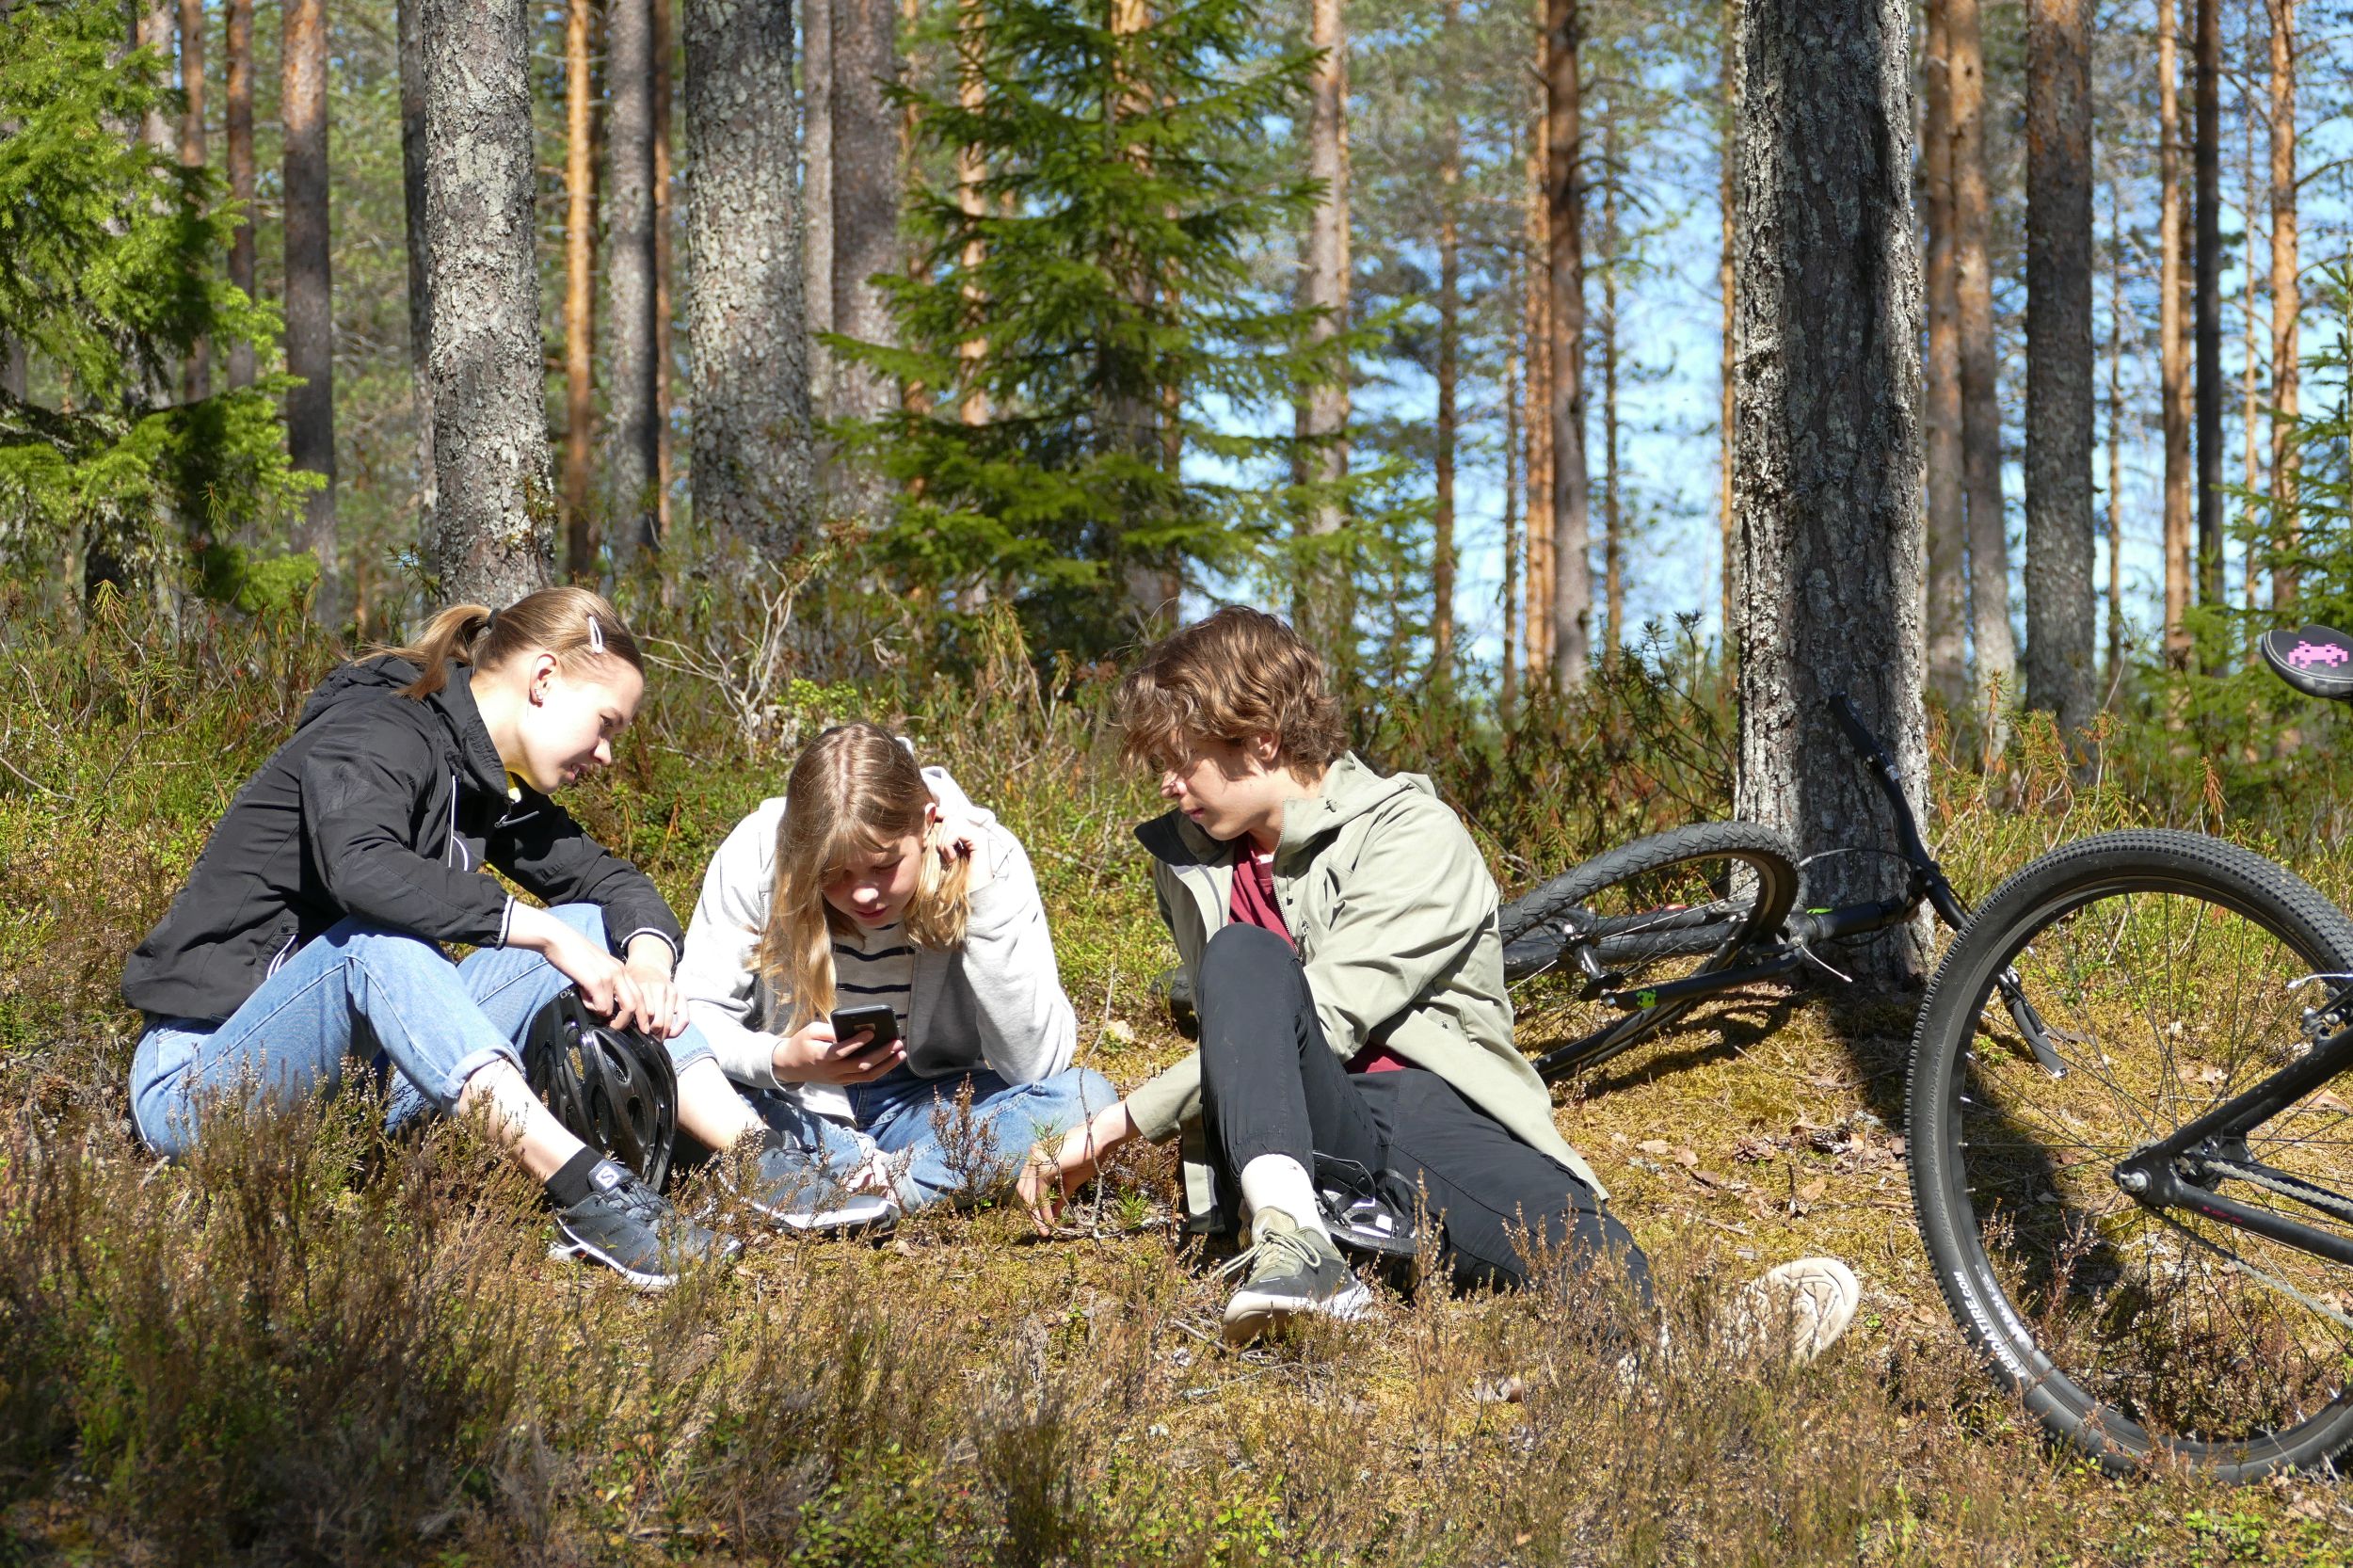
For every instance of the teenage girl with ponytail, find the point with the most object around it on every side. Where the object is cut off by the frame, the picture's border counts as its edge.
(874, 881)
(322, 897)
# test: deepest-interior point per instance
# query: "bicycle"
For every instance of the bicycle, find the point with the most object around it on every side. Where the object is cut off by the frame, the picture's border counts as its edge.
(1655, 927)
(2145, 1224)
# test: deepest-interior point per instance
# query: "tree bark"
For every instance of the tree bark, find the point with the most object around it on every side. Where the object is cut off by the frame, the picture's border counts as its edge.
(665, 247)
(238, 130)
(2250, 364)
(1449, 335)
(1831, 449)
(1947, 514)
(1612, 634)
(972, 170)
(493, 539)
(580, 250)
(2110, 680)
(817, 175)
(2172, 351)
(865, 212)
(746, 336)
(633, 391)
(309, 291)
(198, 369)
(2286, 306)
(2209, 302)
(1508, 691)
(1324, 286)
(1728, 287)
(419, 235)
(2061, 613)
(1564, 202)
(1981, 415)
(1540, 583)
(153, 30)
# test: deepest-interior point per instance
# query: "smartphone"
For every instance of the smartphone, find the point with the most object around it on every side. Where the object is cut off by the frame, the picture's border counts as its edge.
(879, 1017)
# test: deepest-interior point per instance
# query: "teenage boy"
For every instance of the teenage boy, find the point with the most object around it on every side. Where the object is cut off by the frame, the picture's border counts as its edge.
(1338, 929)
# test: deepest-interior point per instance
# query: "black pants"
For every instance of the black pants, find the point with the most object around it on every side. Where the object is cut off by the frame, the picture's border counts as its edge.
(1269, 1084)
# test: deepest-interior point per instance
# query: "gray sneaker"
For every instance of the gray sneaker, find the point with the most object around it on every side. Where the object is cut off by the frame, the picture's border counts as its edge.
(632, 1230)
(1797, 1309)
(789, 1186)
(1292, 1271)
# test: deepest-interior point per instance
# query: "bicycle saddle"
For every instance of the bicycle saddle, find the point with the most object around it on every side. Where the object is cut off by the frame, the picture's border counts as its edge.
(2316, 661)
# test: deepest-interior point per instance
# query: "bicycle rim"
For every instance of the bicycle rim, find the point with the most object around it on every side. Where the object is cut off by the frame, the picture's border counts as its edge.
(2160, 966)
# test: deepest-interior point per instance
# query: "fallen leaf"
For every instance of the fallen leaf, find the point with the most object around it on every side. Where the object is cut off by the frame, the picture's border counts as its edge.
(1654, 1146)
(1813, 1190)
(1685, 1158)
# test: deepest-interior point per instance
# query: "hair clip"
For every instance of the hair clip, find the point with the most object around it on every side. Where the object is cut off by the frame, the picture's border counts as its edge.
(596, 636)
(490, 625)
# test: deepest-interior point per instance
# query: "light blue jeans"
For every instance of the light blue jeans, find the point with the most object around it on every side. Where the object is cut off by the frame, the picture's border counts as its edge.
(438, 1022)
(897, 1112)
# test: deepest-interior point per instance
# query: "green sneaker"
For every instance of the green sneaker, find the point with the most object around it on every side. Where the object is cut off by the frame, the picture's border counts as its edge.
(1292, 1271)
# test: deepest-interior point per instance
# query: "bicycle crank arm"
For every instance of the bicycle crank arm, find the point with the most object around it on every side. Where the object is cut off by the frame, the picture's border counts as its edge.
(1708, 984)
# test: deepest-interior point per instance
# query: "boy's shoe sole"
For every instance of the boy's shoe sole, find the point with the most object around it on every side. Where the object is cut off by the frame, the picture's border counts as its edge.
(1817, 1298)
(1251, 1315)
(569, 1247)
(866, 1214)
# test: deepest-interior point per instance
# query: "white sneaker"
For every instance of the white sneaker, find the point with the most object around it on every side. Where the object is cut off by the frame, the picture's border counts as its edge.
(1805, 1303)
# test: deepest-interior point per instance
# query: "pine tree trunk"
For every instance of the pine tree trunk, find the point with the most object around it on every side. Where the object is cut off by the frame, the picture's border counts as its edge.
(1981, 408)
(817, 176)
(237, 130)
(2111, 678)
(494, 526)
(418, 232)
(198, 369)
(1538, 620)
(2286, 306)
(865, 212)
(2251, 364)
(2209, 300)
(1450, 334)
(579, 263)
(1947, 517)
(309, 291)
(2061, 617)
(1508, 689)
(632, 394)
(1612, 634)
(1728, 288)
(1564, 202)
(747, 339)
(2173, 349)
(1831, 446)
(971, 95)
(1323, 607)
(154, 30)
(665, 48)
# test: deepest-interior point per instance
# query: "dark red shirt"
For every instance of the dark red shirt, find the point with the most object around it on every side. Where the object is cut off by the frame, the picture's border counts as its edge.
(1253, 904)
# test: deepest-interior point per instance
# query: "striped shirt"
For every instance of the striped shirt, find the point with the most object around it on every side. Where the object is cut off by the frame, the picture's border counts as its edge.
(874, 967)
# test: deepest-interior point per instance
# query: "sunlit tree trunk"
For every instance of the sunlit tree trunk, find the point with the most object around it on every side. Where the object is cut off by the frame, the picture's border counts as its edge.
(2173, 345)
(1450, 334)
(1830, 451)
(1947, 513)
(2251, 365)
(152, 29)
(1324, 603)
(580, 253)
(237, 132)
(664, 246)
(309, 291)
(417, 233)
(817, 170)
(2111, 678)
(2061, 617)
(1990, 632)
(1612, 635)
(2208, 151)
(198, 372)
(865, 212)
(1564, 204)
(2288, 301)
(1507, 692)
(1728, 209)
(972, 94)
(1538, 620)
(632, 394)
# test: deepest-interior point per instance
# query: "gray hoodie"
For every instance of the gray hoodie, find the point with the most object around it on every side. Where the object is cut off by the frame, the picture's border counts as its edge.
(995, 1002)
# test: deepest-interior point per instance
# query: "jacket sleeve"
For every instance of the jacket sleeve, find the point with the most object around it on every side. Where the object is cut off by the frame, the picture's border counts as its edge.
(718, 971)
(551, 857)
(1161, 1105)
(1028, 1029)
(1403, 926)
(363, 784)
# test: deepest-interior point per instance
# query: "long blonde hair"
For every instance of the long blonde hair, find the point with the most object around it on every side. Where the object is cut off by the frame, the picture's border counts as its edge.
(854, 790)
(574, 624)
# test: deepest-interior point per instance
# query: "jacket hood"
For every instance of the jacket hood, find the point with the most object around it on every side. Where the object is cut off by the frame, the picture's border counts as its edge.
(952, 798)
(1350, 789)
(380, 679)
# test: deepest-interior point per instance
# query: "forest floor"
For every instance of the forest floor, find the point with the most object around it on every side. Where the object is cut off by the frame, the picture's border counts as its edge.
(310, 1344)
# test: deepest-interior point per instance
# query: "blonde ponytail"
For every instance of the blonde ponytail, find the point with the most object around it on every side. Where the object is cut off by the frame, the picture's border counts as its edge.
(574, 624)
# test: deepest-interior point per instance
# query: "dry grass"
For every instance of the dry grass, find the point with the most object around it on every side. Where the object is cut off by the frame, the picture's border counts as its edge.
(313, 1345)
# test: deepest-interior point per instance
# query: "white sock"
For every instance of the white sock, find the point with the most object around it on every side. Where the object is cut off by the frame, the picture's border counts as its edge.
(1278, 1181)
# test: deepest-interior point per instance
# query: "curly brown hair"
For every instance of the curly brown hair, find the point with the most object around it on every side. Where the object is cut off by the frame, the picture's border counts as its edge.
(1239, 673)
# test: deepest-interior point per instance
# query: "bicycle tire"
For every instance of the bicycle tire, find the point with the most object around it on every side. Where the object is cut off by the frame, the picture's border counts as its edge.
(1581, 908)
(2080, 1299)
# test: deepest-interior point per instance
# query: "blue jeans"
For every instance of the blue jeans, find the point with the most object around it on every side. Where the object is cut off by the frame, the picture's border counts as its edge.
(896, 1111)
(438, 1022)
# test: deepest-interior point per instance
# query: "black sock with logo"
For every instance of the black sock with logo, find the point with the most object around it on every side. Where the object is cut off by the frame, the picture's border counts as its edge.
(582, 1176)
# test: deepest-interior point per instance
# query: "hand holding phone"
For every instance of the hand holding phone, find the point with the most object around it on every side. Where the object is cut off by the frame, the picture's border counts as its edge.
(854, 1045)
(879, 1023)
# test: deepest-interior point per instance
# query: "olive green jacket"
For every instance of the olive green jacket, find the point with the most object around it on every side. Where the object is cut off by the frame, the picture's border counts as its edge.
(1394, 917)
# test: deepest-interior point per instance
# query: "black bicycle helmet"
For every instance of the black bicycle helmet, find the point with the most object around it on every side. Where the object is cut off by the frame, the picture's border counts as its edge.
(613, 1088)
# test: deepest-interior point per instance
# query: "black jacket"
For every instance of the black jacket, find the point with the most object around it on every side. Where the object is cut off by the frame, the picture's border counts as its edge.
(385, 808)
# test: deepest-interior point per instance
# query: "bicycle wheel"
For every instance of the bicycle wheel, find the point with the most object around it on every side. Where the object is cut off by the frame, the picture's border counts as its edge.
(2161, 966)
(1671, 906)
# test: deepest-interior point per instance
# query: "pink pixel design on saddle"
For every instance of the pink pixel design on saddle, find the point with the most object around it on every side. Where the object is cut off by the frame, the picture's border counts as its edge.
(2308, 654)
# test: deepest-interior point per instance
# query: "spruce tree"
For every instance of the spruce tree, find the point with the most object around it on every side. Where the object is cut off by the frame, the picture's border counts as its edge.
(113, 279)
(1122, 425)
